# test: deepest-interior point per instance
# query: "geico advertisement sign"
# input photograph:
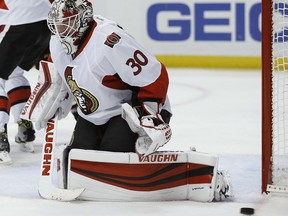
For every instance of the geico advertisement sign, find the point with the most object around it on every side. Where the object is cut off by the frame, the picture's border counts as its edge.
(202, 21)
(205, 28)
(190, 27)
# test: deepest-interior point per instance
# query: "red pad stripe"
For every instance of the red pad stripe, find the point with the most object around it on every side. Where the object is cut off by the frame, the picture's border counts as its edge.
(144, 177)
(46, 85)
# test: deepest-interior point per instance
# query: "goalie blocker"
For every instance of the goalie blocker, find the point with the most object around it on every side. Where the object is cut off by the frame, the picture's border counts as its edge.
(161, 176)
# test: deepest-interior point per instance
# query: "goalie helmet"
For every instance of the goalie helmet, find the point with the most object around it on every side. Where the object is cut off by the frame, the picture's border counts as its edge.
(69, 19)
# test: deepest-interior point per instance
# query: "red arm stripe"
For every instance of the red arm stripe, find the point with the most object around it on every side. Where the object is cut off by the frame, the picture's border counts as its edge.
(3, 5)
(157, 89)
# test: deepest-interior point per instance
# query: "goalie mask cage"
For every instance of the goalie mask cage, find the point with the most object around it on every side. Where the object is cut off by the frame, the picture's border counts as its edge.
(274, 96)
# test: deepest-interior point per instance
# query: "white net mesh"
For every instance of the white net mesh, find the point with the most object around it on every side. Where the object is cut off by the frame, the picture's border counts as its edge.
(280, 94)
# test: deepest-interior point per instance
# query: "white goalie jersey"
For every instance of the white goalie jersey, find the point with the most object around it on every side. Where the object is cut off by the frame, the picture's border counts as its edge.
(17, 12)
(107, 69)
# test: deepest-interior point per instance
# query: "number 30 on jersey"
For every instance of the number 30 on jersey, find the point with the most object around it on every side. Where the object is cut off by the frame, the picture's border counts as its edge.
(137, 62)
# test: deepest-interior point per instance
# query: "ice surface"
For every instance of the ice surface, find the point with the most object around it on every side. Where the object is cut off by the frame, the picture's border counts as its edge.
(217, 112)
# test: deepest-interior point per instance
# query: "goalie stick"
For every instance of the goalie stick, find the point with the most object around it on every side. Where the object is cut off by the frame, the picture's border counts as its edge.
(46, 188)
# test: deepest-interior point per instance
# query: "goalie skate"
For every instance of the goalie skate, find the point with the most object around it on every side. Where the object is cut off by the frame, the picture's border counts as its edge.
(5, 158)
(223, 188)
(4, 147)
(25, 135)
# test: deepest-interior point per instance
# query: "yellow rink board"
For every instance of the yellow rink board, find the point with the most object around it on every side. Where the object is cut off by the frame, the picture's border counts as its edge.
(210, 61)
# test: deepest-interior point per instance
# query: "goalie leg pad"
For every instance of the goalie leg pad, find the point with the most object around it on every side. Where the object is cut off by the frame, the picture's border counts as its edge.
(113, 176)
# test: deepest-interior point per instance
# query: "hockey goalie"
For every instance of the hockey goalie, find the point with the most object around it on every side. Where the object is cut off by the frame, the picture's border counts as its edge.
(123, 115)
(125, 176)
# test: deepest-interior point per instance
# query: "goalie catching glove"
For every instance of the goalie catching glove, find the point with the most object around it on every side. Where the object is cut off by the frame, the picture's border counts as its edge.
(152, 130)
(49, 95)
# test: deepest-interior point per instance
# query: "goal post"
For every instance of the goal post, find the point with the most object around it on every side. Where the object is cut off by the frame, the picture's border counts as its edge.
(266, 92)
(275, 96)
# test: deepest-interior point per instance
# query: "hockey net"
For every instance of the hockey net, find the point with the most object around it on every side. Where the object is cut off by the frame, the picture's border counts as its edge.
(274, 96)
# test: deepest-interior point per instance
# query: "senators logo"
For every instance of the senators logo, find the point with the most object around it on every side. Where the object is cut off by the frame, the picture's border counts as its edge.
(84, 99)
(112, 39)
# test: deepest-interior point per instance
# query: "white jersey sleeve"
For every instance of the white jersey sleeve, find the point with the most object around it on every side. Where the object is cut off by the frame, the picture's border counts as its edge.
(135, 65)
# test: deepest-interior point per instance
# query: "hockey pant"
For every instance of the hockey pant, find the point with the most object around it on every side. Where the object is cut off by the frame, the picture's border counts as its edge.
(14, 93)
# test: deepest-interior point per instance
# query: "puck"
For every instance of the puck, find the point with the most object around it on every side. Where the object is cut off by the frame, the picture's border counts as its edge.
(247, 211)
